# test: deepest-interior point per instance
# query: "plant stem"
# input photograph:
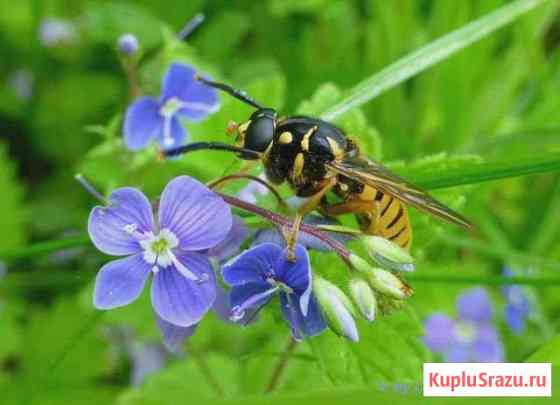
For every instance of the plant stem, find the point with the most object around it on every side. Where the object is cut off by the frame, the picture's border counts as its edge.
(487, 280)
(281, 220)
(280, 366)
(206, 371)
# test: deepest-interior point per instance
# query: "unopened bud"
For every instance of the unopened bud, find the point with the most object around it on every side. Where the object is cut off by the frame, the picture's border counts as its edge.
(388, 254)
(364, 297)
(337, 308)
(128, 44)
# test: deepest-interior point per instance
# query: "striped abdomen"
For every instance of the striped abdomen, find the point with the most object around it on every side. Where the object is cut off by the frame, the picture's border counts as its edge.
(389, 219)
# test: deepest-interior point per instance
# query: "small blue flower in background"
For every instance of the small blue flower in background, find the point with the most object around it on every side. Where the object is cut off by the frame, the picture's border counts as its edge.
(191, 220)
(128, 44)
(518, 306)
(262, 272)
(182, 96)
(56, 32)
(470, 338)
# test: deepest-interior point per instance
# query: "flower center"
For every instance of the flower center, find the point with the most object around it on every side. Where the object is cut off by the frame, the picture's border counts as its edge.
(466, 332)
(157, 248)
(170, 107)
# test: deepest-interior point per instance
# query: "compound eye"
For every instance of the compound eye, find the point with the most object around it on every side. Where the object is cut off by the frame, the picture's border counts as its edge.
(260, 134)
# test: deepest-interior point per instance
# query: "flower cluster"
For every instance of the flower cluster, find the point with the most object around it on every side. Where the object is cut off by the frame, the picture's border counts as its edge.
(471, 337)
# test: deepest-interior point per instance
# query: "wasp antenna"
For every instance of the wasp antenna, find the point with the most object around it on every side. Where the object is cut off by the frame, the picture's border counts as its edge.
(191, 26)
(192, 147)
(238, 94)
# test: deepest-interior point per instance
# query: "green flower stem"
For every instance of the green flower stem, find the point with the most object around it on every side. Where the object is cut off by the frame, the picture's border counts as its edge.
(280, 366)
(44, 248)
(540, 282)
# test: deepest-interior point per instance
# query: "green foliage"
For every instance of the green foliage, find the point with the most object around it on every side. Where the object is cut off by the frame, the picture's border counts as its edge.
(13, 214)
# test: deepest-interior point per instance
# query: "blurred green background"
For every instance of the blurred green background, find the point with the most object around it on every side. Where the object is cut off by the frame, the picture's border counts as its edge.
(62, 97)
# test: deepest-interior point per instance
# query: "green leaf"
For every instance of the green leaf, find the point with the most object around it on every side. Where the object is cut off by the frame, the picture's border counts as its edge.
(475, 171)
(548, 353)
(429, 55)
(389, 350)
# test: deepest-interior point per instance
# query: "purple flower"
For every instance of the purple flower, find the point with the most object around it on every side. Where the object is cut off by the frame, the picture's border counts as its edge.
(518, 306)
(128, 44)
(470, 338)
(182, 97)
(262, 272)
(191, 219)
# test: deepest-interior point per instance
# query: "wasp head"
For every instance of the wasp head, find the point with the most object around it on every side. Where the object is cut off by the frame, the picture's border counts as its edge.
(257, 133)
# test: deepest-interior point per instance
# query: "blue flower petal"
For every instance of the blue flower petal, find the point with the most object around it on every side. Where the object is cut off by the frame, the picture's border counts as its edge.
(458, 353)
(254, 265)
(173, 335)
(249, 296)
(302, 326)
(197, 216)
(232, 243)
(120, 282)
(181, 301)
(515, 318)
(115, 229)
(297, 274)
(487, 347)
(475, 305)
(172, 134)
(142, 123)
(439, 332)
(198, 99)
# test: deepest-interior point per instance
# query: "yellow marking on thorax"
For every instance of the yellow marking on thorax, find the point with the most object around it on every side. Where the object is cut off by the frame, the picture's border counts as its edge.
(297, 170)
(285, 138)
(305, 140)
(335, 148)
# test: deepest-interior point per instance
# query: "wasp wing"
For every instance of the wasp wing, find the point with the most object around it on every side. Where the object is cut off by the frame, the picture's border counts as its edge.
(375, 175)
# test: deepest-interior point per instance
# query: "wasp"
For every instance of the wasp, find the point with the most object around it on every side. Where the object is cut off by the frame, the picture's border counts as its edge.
(316, 158)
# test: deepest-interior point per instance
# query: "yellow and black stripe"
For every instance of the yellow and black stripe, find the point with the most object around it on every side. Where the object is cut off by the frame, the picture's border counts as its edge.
(388, 218)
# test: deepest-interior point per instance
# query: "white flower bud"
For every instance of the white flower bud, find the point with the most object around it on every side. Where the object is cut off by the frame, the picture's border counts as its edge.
(364, 297)
(337, 308)
(387, 253)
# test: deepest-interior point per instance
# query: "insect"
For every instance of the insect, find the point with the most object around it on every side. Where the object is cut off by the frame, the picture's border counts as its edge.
(315, 158)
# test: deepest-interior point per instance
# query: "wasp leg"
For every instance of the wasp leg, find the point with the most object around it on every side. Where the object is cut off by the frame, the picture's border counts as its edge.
(291, 234)
(245, 168)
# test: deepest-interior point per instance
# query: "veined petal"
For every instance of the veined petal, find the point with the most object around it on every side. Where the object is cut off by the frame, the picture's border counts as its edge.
(198, 217)
(254, 265)
(198, 99)
(302, 326)
(172, 134)
(142, 123)
(181, 301)
(247, 296)
(115, 229)
(297, 274)
(173, 335)
(120, 282)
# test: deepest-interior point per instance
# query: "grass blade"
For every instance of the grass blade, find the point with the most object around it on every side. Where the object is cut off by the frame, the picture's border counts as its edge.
(429, 55)
(471, 173)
